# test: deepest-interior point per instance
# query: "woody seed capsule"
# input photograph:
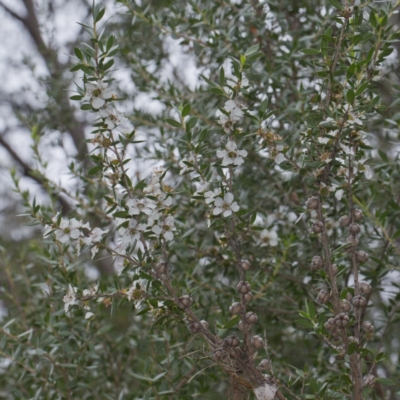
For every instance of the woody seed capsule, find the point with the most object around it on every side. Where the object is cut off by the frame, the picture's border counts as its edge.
(204, 323)
(185, 301)
(344, 221)
(235, 308)
(251, 317)
(233, 341)
(243, 287)
(161, 268)
(353, 339)
(362, 256)
(247, 297)
(257, 342)
(323, 296)
(195, 327)
(316, 263)
(359, 302)
(335, 269)
(241, 325)
(317, 227)
(367, 326)
(219, 354)
(365, 288)
(345, 306)
(312, 203)
(265, 364)
(330, 324)
(358, 215)
(341, 320)
(354, 229)
(245, 264)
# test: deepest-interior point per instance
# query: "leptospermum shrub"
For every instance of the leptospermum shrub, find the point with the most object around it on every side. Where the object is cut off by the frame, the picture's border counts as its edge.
(249, 233)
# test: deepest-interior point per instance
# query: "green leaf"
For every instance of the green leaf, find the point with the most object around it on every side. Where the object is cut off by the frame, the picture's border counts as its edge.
(310, 51)
(350, 71)
(78, 53)
(173, 123)
(252, 50)
(385, 381)
(100, 15)
(335, 3)
(350, 96)
(186, 110)
(94, 170)
(234, 321)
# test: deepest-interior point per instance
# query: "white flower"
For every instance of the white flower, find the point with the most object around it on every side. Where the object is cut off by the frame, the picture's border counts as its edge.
(97, 94)
(132, 232)
(70, 229)
(70, 298)
(94, 237)
(280, 158)
(235, 114)
(114, 119)
(163, 226)
(209, 196)
(136, 206)
(268, 238)
(234, 109)
(226, 205)
(88, 315)
(201, 187)
(90, 291)
(368, 173)
(137, 291)
(232, 156)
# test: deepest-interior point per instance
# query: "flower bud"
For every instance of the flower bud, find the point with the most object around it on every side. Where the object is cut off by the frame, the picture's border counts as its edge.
(341, 320)
(362, 256)
(365, 288)
(265, 364)
(358, 215)
(317, 227)
(185, 301)
(323, 296)
(243, 287)
(251, 317)
(204, 323)
(233, 341)
(344, 221)
(245, 264)
(354, 229)
(359, 302)
(161, 268)
(235, 308)
(312, 203)
(367, 326)
(345, 306)
(257, 342)
(247, 297)
(317, 262)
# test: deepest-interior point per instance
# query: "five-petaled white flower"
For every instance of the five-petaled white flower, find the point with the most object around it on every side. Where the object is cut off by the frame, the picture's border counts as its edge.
(226, 205)
(97, 94)
(114, 119)
(210, 195)
(70, 229)
(132, 232)
(232, 156)
(163, 226)
(70, 298)
(136, 206)
(235, 115)
(268, 238)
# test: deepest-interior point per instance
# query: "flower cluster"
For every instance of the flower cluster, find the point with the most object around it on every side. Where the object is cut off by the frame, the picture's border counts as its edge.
(232, 113)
